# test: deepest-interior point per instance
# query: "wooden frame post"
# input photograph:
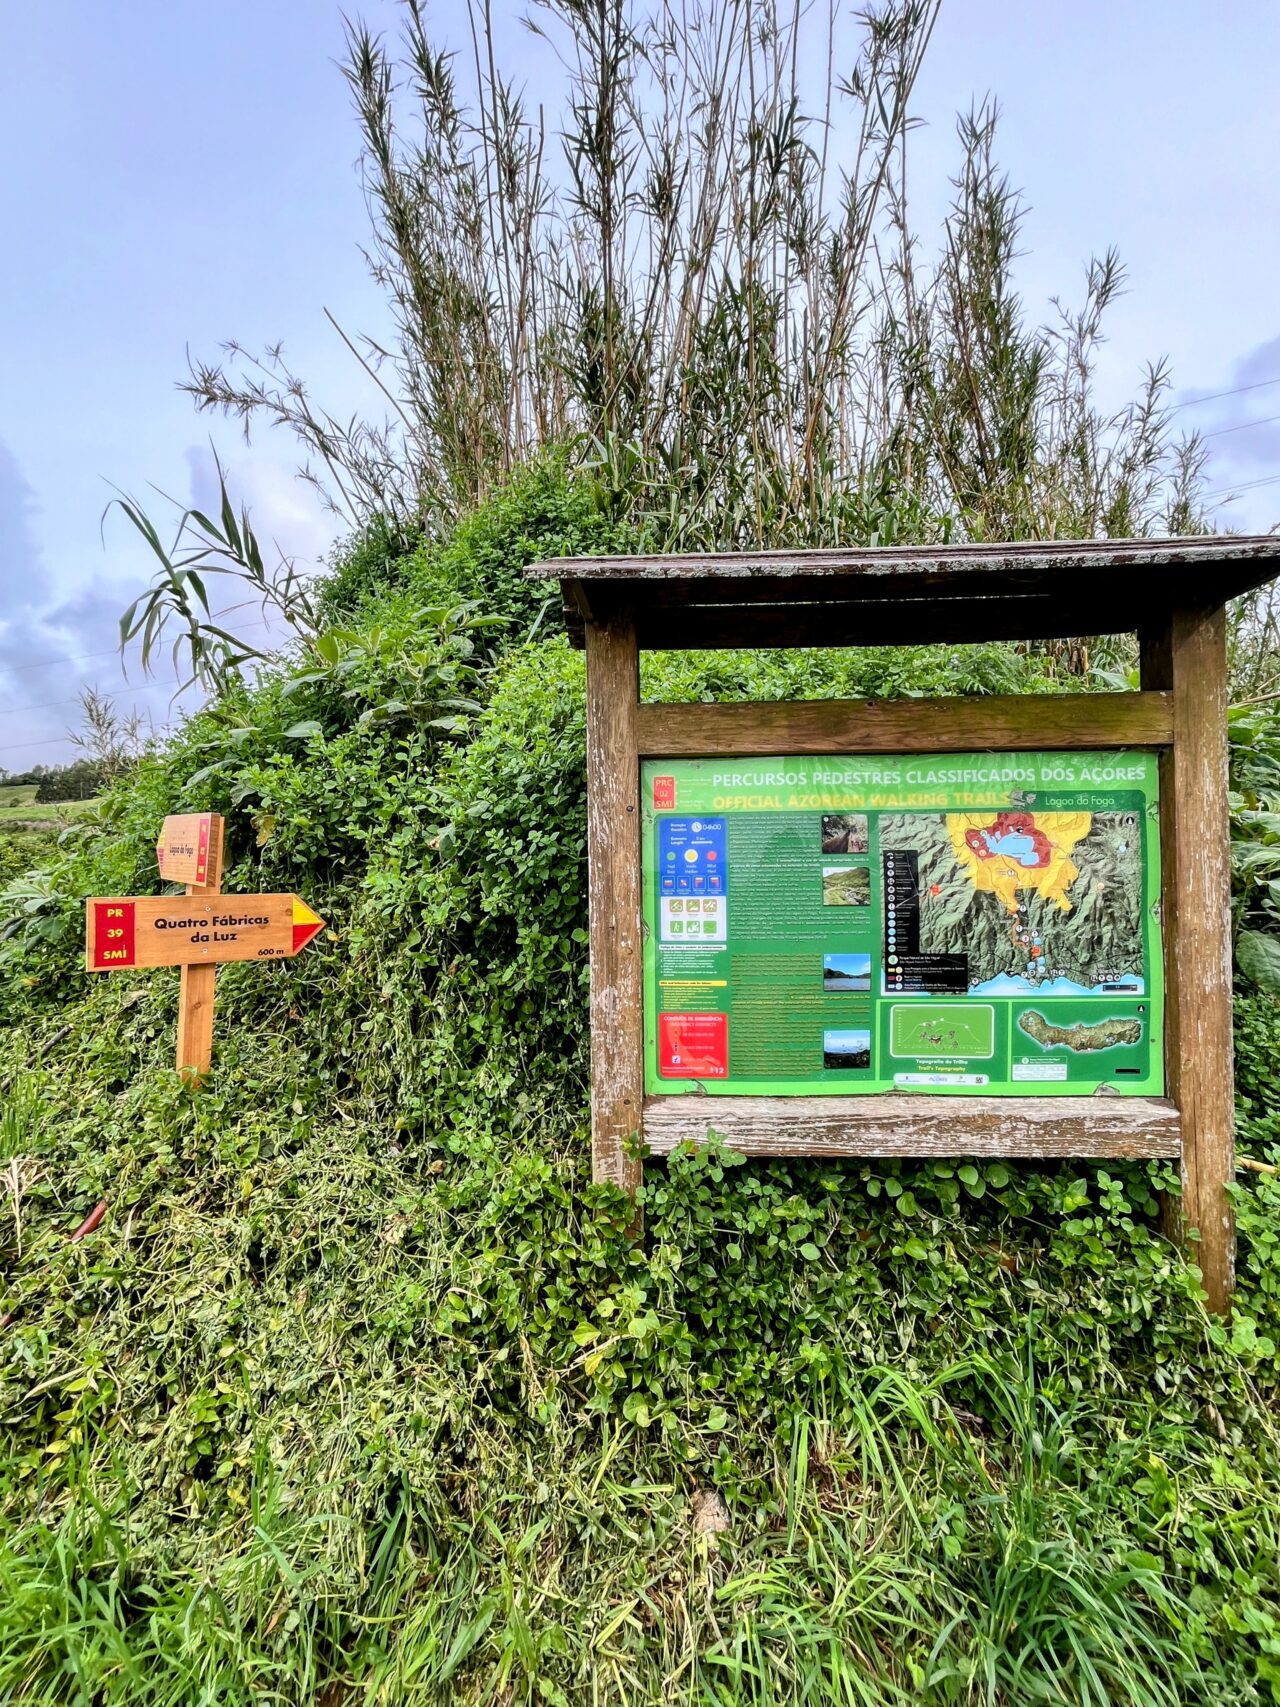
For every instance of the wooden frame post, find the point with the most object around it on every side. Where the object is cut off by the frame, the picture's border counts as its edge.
(196, 983)
(614, 896)
(1185, 654)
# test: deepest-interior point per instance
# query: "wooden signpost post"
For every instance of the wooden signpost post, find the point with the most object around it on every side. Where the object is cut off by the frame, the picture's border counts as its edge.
(1055, 1067)
(198, 931)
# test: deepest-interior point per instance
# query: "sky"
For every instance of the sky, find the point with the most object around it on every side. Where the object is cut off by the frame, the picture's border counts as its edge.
(175, 176)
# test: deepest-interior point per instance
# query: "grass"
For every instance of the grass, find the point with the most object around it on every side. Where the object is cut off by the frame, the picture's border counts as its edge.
(908, 1556)
(846, 886)
(322, 1414)
(359, 1393)
(19, 809)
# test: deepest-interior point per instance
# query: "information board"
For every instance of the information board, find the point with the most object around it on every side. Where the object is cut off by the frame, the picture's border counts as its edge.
(984, 923)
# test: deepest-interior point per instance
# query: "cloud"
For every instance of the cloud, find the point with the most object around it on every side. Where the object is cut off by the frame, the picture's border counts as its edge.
(287, 516)
(1260, 365)
(52, 646)
(1242, 438)
(29, 633)
(19, 553)
(285, 511)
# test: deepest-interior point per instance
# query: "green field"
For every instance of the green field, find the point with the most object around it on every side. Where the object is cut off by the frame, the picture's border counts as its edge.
(20, 810)
(846, 885)
(924, 1030)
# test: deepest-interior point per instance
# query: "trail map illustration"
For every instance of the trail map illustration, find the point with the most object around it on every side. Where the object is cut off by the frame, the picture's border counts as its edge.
(961, 923)
(1047, 902)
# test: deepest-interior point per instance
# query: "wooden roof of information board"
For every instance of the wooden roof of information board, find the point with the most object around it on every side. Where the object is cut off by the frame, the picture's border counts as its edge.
(898, 594)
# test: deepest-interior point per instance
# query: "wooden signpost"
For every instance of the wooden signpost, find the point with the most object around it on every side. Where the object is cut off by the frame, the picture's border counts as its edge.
(198, 931)
(1172, 594)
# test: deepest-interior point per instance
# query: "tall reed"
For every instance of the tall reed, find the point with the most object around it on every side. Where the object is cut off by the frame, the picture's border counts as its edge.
(692, 257)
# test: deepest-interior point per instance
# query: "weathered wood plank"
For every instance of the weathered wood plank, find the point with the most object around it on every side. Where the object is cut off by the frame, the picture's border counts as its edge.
(1076, 722)
(196, 989)
(614, 886)
(1090, 587)
(1238, 563)
(1187, 654)
(874, 623)
(924, 1125)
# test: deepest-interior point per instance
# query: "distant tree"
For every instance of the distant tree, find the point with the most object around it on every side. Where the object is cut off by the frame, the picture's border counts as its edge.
(80, 780)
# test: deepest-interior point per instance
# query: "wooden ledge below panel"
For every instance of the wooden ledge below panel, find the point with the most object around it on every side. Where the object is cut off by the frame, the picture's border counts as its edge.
(918, 1125)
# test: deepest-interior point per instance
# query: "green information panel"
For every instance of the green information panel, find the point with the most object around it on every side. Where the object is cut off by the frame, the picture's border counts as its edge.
(982, 923)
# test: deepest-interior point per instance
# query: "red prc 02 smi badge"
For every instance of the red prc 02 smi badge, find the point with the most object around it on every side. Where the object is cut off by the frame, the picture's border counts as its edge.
(664, 793)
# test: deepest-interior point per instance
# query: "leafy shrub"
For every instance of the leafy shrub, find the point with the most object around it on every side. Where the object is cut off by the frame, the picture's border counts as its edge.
(361, 1386)
(541, 513)
(20, 850)
(1254, 737)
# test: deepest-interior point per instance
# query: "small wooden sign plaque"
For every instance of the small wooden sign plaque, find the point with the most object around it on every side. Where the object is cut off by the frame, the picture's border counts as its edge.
(190, 849)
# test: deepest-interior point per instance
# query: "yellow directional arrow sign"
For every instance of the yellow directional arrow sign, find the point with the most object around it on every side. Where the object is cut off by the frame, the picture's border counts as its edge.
(194, 930)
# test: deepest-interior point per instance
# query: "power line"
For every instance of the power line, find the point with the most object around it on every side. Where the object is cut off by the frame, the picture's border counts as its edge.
(1213, 396)
(1241, 427)
(53, 741)
(52, 704)
(1244, 486)
(21, 746)
(50, 663)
